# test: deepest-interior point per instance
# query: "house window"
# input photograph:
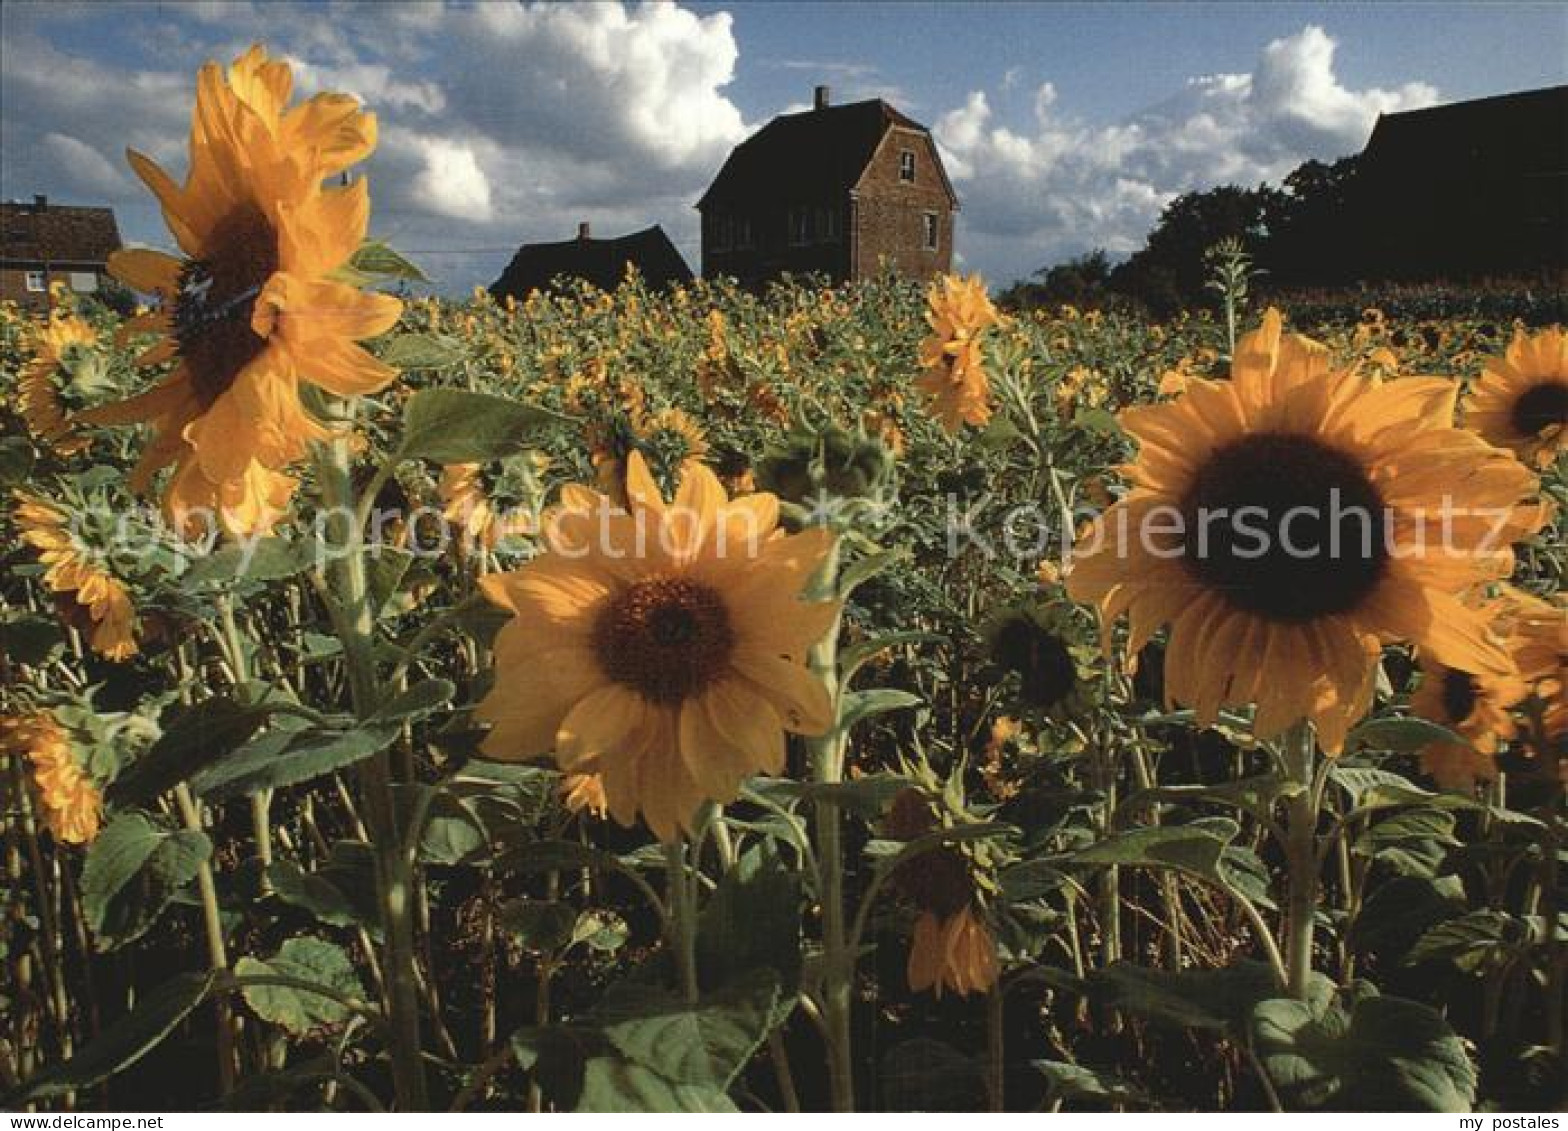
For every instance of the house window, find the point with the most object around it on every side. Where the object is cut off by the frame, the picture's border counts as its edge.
(35, 282)
(933, 231)
(743, 237)
(84, 282)
(906, 165)
(723, 233)
(799, 226)
(827, 225)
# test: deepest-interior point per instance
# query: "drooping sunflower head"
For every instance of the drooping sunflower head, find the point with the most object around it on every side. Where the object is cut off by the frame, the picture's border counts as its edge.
(661, 646)
(1521, 400)
(1049, 651)
(249, 309)
(80, 574)
(1290, 520)
(62, 356)
(70, 803)
(959, 312)
(826, 462)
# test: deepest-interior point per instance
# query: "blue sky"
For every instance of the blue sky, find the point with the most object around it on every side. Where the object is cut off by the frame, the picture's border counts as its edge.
(1064, 126)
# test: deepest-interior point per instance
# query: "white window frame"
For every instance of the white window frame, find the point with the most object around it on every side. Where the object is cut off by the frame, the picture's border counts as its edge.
(906, 166)
(36, 282)
(933, 231)
(799, 220)
(84, 282)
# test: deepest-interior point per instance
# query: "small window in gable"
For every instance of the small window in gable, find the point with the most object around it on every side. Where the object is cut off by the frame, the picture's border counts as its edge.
(906, 166)
(933, 231)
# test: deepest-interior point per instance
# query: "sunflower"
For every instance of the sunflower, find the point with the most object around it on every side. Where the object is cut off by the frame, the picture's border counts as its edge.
(37, 394)
(1049, 651)
(71, 570)
(952, 947)
(1521, 400)
(1401, 516)
(466, 506)
(1476, 707)
(250, 310)
(1538, 640)
(959, 312)
(661, 648)
(72, 806)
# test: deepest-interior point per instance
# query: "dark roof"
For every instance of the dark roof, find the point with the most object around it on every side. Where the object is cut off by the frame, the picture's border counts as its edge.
(812, 155)
(39, 232)
(601, 262)
(1524, 133)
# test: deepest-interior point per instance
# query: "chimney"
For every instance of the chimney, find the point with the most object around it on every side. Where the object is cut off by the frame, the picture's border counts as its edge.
(583, 230)
(820, 98)
(40, 202)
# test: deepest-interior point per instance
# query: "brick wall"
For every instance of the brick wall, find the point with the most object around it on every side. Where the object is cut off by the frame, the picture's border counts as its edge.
(13, 284)
(890, 213)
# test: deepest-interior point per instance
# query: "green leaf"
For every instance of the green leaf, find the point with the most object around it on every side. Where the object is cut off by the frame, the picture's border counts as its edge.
(455, 426)
(540, 925)
(27, 638)
(1387, 1054)
(134, 868)
(1254, 795)
(604, 931)
(642, 1049)
(385, 569)
(1381, 789)
(704, 1045)
(193, 738)
(1403, 735)
(294, 1008)
(376, 258)
(859, 572)
(124, 1042)
(421, 351)
(1400, 910)
(858, 706)
(1078, 1082)
(265, 559)
(752, 921)
(1193, 999)
(287, 756)
(417, 701)
(16, 461)
(452, 832)
(855, 657)
(1475, 943)
(1195, 848)
(313, 893)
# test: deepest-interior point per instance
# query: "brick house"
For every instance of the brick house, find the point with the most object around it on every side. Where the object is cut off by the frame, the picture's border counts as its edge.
(43, 243)
(601, 262)
(836, 190)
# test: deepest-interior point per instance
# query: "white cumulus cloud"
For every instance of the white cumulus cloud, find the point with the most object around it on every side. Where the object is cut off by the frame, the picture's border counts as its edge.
(1059, 187)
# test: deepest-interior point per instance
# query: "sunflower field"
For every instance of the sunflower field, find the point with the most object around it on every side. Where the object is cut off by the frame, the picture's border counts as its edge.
(825, 699)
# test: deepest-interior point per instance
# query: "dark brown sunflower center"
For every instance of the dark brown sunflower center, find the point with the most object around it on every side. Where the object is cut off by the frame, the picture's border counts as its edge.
(212, 312)
(1043, 663)
(1460, 692)
(937, 881)
(667, 638)
(1540, 407)
(1285, 526)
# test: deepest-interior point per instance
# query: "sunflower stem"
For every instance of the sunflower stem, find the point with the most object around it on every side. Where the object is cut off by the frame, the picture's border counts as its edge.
(827, 767)
(682, 920)
(394, 870)
(1301, 858)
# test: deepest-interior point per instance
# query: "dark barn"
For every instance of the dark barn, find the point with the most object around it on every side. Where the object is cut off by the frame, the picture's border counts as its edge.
(1465, 190)
(838, 190)
(603, 263)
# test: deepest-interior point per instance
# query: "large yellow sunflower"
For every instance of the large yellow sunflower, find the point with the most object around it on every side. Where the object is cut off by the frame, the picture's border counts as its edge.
(1521, 400)
(1375, 514)
(660, 647)
(959, 312)
(250, 311)
(72, 806)
(37, 397)
(111, 617)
